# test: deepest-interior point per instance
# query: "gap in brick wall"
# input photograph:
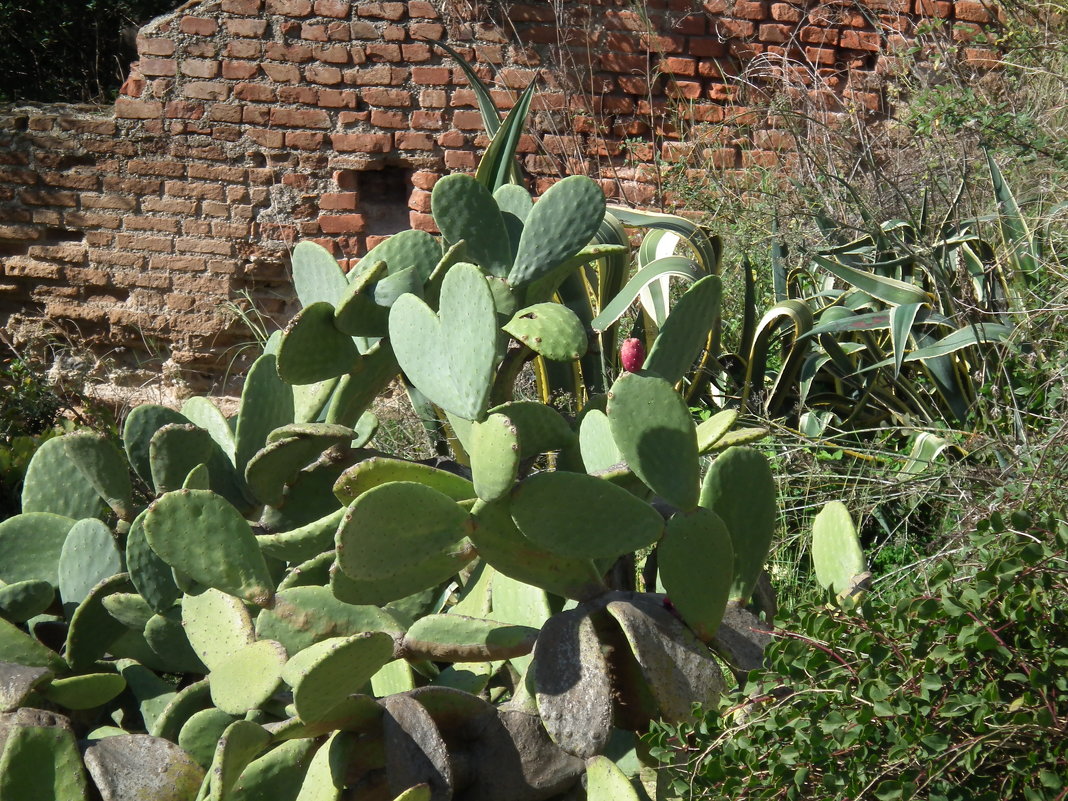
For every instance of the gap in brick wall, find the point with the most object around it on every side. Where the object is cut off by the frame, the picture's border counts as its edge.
(383, 199)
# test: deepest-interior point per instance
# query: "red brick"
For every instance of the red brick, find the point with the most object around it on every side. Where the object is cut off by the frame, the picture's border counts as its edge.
(971, 11)
(216, 247)
(341, 223)
(335, 98)
(434, 76)
(775, 33)
(412, 140)
(200, 68)
(150, 46)
(290, 8)
(413, 53)
(380, 51)
(327, 76)
(679, 66)
(276, 51)
(377, 96)
(247, 7)
(266, 138)
(733, 28)
(621, 62)
(158, 66)
(300, 95)
(420, 9)
(467, 120)
(390, 11)
(823, 36)
(282, 73)
(239, 70)
(254, 93)
(362, 143)
(305, 140)
(130, 109)
(336, 54)
(860, 40)
(747, 9)
(250, 28)
(184, 110)
(338, 201)
(934, 8)
(198, 26)
(461, 159)
(388, 119)
(300, 118)
(432, 120)
(338, 9)
(982, 57)
(206, 90)
(363, 30)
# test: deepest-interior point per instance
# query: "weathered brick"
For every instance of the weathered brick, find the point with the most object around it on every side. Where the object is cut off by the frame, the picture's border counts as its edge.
(240, 70)
(341, 223)
(158, 66)
(298, 95)
(290, 8)
(339, 9)
(198, 26)
(206, 90)
(860, 40)
(152, 46)
(247, 7)
(377, 96)
(200, 68)
(295, 53)
(327, 76)
(305, 140)
(282, 73)
(362, 143)
(130, 109)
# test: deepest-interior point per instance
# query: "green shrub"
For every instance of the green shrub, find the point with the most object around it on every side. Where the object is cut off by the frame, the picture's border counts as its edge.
(953, 689)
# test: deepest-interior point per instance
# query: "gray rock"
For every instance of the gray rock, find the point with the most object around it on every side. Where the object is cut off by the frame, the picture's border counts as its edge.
(136, 767)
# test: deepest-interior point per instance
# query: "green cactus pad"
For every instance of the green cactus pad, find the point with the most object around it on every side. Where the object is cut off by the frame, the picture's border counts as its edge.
(459, 638)
(504, 299)
(495, 452)
(356, 312)
(276, 775)
(313, 348)
(365, 429)
(204, 413)
(599, 451)
(501, 544)
(153, 694)
(414, 578)
(741, 436)
(712, 430)
(836, 553)
(92, 630)
(25, 599)
(245, 679)
(550, 330)
(30, 545)
(393, 677)
(175, 449)
(325, 674)
(42, 764)
(310, 400)
(89, 556)
(464, 209)
(217, 625)
(128, 608)
(685, 332)
(562, 222)
(266, 403)
(406, 249)
(356, 391)
(54, 484)
(583, 517)
(740, 488)
(152, 577)
(276, 466)
(200, 734)
(141, 424)
(200, 534)
(87, 691)
(652, 427)
(541, 428)
(606, 782)
(103, 466)
(520, 604)
(316, 274)
(240, 744)
(166, 637)
(198, 478)
(396, 525)
(303, 616)
(450, 356)
(696, 562)
(318, 782)
(20, 648)
(302, 543)
(572, 684)
(377, 470)
(185, 703)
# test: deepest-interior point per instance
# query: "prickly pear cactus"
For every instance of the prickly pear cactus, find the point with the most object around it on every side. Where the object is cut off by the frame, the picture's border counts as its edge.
(268, 607)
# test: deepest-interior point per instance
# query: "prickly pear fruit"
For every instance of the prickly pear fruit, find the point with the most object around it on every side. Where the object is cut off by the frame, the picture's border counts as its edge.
(632, 354)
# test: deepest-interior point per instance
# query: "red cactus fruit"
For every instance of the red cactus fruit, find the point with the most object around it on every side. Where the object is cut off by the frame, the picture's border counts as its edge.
(632, 354)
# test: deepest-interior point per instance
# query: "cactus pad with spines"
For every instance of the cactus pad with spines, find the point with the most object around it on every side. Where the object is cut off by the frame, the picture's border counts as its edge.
(246, 678)
(25, 599)
(550, 330)
(316, 274)
(151, 576)
(174, 450)
(104, 467)
(377, 470)
(406, 249)
(494, 450)
(464, 209)
(313, 349)
(562, 222)
(599, 450)
(583, 517)
(203, 536)
(356, 313)
(696, 561)
(42, 764)
(89, 556)
(30, 545)
(218, 625)
(266, 403)
(836, 553)
(459, 638)
(324, 675)
(141, 424)
(54, 484)
(396, 525)
(652, 427)
(86, 691)
(450, 356)
(740, 488)
(684, 333)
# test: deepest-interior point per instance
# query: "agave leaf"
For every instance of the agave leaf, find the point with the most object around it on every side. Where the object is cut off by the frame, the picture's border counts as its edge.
(497, 166)
(888, 290)
(902, 319)
(673, 265)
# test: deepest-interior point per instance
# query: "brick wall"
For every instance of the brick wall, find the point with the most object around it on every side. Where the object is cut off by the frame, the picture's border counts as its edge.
(247, 125)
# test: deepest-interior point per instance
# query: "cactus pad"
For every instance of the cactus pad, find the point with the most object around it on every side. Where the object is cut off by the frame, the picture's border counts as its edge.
(464, 209)
(836, 553)
(316, 274)
(56, 485)
(458, 638)
(684, 333)
(141, 424)
(494, 450)
(217, 625)
(377, 470)
(324, 675)
(313, 349)
(89, 556)
(550, 330)
(30, 545)
(246, 678)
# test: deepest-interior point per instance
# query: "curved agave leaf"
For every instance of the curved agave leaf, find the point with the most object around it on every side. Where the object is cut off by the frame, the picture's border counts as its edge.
(498, 166)
(888, 290)
(789, 312)
(966, 337)
(708, 249)
(680, 266)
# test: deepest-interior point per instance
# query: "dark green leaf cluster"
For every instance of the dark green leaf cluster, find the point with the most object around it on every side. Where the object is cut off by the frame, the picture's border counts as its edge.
(69, 50)
(28, 404)
(958, 691)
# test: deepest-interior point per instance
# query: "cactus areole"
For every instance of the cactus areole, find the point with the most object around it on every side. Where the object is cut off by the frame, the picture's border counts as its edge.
(632, 355)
